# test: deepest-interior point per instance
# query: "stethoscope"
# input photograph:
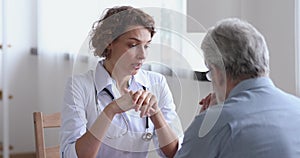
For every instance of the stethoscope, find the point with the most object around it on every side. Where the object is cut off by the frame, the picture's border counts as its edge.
(147, 136)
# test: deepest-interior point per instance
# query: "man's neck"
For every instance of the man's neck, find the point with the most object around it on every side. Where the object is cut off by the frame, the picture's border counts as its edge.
(230, 85)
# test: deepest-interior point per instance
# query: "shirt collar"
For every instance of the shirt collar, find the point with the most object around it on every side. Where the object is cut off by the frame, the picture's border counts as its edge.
(140, 78)
(103, 79)
(251, 84)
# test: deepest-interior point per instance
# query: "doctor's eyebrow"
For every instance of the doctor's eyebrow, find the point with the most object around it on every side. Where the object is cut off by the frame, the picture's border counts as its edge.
(138, 40)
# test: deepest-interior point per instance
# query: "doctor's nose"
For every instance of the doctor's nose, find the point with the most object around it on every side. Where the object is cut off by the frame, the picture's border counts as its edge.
(142, 53)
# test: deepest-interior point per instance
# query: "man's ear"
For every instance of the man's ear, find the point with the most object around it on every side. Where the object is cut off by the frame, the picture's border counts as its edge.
(220, 82)
(219, 74)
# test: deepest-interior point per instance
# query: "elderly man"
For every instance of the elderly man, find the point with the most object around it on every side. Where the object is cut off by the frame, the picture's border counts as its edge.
(252, 118)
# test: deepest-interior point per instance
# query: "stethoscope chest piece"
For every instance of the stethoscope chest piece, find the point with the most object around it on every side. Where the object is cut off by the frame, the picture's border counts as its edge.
(147, 136)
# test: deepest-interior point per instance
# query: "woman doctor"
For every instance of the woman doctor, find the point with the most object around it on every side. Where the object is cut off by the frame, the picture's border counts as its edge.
(117, 109)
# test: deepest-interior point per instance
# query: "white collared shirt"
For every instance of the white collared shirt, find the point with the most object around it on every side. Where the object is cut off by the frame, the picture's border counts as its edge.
(124, 136)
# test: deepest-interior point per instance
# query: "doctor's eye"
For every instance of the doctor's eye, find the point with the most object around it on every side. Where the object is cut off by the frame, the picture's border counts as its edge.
(132, 45)
(146, 46)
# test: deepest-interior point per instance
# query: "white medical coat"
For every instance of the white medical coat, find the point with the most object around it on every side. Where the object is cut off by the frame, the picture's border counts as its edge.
(80, 110)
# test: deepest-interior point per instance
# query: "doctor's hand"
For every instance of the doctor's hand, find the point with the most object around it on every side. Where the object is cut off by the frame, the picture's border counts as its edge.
(208, 101)
(145, 102)
(123, 103)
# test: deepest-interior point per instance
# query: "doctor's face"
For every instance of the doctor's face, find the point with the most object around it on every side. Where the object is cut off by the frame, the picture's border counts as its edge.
(129, 51)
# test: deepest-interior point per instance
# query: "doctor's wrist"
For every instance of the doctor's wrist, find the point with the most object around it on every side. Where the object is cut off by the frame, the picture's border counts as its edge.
(158, 119)
(110, 110)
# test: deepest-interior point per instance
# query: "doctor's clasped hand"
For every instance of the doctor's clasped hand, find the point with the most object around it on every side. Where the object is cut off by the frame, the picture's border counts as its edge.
(142, 101)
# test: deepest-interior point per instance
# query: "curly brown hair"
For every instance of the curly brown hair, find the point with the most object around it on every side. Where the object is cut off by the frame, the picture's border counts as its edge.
(114, 23)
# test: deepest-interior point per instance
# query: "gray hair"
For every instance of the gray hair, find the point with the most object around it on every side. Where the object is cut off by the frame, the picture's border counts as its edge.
(237, 47)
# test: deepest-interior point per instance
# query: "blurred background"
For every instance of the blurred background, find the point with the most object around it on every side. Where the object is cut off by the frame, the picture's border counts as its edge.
(43, 42)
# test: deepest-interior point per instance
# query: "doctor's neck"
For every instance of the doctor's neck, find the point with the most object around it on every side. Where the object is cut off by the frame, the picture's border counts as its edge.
(120, 78)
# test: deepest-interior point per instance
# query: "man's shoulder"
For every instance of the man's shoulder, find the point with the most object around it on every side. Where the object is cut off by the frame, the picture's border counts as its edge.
(215, 117)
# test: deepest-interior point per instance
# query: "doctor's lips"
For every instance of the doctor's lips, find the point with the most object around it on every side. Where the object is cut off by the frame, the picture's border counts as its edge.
(137, 65)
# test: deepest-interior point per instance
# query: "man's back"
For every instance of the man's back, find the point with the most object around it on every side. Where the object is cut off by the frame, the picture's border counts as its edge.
(257, 120)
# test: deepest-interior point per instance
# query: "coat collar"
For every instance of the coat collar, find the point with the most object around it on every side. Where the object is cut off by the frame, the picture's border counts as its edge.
(102, 79)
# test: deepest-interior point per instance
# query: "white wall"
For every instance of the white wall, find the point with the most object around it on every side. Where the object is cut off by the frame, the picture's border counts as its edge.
(22, 76)
(274, 18)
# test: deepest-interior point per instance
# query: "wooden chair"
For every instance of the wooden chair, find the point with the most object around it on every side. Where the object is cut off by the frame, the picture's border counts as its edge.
(42, 121)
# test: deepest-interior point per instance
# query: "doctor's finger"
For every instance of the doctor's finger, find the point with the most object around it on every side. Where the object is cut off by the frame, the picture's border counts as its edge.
(153, 106)
(145, 104)
(147, 99)
(148, 103)
(142, 98)
(143, 110)
(131, 93)
(151, 111)
(139, 100)
(135, 96)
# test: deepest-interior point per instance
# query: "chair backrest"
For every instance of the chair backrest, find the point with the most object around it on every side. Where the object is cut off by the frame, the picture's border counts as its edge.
(42, 121)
